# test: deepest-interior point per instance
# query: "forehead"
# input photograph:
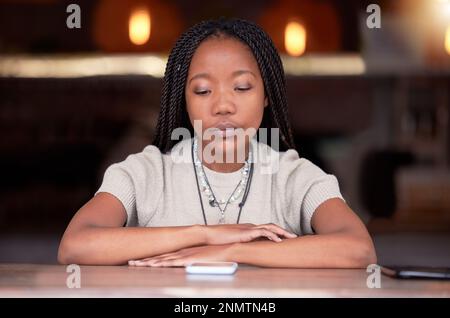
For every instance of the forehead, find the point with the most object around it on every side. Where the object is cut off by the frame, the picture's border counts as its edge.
(222, 55)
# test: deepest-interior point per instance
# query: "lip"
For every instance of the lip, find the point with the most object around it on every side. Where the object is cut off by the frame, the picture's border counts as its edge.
(223, 125)
(225, 128)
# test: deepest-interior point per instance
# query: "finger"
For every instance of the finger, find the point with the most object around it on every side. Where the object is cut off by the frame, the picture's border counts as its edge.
(140, 263)
(278, 230)
(168, 258)
(133, 262)
(165, 256)
(153, 258)
(170, 263)
(269, 234)
(146, 261)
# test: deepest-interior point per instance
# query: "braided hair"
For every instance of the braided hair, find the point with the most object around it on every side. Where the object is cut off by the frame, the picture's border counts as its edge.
(173, 113)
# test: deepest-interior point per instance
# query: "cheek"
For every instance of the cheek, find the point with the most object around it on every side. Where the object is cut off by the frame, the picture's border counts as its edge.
(254, 119)
(252, 108)
(197, 111)
(194, 108)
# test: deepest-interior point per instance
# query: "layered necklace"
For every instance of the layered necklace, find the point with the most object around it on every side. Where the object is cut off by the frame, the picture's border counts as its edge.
(203, 185)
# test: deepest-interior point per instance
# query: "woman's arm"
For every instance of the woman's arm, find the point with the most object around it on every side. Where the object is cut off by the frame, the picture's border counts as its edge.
(96, 235)
(342, 241)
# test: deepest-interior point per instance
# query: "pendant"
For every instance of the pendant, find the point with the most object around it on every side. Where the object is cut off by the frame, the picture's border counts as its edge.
(207, 190)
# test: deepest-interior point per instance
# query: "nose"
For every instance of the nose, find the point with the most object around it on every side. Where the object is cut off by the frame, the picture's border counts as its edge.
(224, 105)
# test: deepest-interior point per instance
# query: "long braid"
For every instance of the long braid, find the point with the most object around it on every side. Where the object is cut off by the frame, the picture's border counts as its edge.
(173, 113)
(279, 90)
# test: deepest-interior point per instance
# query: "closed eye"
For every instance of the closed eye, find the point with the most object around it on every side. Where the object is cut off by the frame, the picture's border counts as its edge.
(243, 88)
(201, 92)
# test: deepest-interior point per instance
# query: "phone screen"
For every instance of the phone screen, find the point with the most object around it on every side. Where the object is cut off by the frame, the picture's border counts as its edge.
(417, 272)
(212, 268)
(213, 264)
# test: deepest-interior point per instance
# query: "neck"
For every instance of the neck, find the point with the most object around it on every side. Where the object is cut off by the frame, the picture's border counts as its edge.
(226, 166)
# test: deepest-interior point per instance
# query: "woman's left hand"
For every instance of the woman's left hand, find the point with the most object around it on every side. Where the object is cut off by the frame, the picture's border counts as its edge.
(215, 253)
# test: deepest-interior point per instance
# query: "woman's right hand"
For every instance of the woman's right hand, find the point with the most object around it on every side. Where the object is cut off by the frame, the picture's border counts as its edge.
(242, 233)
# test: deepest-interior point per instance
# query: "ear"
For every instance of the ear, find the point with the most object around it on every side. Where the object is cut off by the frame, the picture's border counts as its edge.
(266, 102)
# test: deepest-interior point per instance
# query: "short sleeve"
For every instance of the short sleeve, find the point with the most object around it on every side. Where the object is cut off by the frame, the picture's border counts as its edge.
(305, 186)
(118, 182)
(137, 182)
(322, 188)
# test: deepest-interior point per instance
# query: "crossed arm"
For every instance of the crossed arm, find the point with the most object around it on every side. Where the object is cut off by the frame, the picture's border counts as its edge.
(341, 241)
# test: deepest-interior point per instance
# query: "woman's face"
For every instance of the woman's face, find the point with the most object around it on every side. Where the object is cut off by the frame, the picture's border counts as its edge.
(224, 89)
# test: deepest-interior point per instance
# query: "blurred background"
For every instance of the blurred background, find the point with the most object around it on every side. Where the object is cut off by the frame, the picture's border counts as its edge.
(370, 105)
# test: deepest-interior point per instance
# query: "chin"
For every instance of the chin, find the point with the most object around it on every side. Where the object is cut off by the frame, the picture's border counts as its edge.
(232, 146)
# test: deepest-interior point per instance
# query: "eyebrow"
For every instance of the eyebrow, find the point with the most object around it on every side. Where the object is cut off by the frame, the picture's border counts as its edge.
(234, 74)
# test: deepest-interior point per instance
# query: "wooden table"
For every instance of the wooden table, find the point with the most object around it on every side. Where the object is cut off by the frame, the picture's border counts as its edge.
(28, 280)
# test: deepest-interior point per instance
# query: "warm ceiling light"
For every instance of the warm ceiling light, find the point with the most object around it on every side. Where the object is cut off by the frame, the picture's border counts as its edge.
(139, 26)
(295, 39)
(447, 40)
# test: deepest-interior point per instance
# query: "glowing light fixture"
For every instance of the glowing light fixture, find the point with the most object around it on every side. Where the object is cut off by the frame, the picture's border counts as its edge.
(447, 40)
(139, 26)
(295, 39)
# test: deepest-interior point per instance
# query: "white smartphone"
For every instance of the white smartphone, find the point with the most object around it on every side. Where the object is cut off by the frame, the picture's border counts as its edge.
(220, 268)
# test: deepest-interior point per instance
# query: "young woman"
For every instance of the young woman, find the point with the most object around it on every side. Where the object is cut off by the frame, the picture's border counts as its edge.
(169, 206)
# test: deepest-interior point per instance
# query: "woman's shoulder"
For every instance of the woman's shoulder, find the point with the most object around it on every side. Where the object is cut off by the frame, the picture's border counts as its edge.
(292, 162)
(284, 163)
(135, 181)
(149, 157)
(152, 158)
